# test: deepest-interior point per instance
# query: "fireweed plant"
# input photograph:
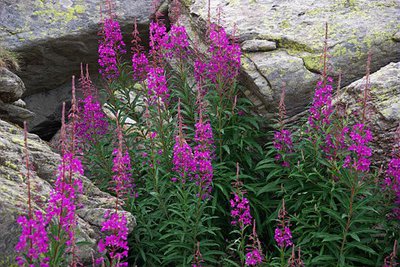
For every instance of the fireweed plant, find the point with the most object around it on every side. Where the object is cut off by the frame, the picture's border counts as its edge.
(176, 131)
(338, 213)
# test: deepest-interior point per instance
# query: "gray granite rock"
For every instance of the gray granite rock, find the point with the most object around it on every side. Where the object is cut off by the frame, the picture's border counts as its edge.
(11, 86)
(53, 37)
(297, 28)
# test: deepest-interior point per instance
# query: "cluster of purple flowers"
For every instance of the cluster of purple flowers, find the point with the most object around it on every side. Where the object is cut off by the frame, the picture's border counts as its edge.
(240, 210)
(178, 42)
(183, 159)
(283, 143)
(158, 40)
(203, 153)
(62, 202)
(392, 182)
(224, 64)
(122, 172)
(360, 136)
(321, 108)
(157, 85)
(111, 45)
(253, 257)
(116, 243)
(283, 235)
(93, 122)
(33, 239)
(139, 66)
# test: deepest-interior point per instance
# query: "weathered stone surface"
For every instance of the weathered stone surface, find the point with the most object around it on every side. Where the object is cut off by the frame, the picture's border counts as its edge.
(258, 46)
(13, 192)
(11, 86)
(383, 113)
(15, 113)
(297, 27)
(53, 37)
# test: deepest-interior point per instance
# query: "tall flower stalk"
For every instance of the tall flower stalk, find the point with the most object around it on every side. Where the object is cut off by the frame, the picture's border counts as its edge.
(62, 202)
(115, 243)
(111, 46)
(283, 234)
(33, 242)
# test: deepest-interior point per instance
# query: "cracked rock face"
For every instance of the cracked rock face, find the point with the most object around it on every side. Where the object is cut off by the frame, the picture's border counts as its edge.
(383, 107)
(53, 37)
(13, 193)
(297, 28)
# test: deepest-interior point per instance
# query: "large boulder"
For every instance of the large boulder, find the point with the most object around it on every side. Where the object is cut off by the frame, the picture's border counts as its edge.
(383, 107)
(282, 42)
(53, 37)
(13, 193)
(11, 86)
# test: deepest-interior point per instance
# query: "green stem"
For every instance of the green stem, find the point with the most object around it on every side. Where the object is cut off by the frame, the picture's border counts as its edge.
(282, 257)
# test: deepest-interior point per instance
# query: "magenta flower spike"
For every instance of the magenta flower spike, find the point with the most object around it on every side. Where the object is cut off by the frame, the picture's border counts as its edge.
(203, 152)
(283, 235)
(92, 122)
(110, 47)
(183, 160)
(321, 108)
(240, 210)
(254, 256)
(122, 177)
(224, 64)
(140, 63)
(116, 225)
(33, 241)
(157, 85)
(116, 243)
(360, 136)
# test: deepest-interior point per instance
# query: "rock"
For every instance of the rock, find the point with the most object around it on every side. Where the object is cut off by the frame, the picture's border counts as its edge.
(298, 29)
(13, 193)
(383, 113)
(11, 86)
(15, 113)
(48, 107)
(20, 103)
(258, 46)
(53, 37)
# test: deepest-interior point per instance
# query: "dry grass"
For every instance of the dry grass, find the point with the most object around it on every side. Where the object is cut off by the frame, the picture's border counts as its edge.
(8, 59)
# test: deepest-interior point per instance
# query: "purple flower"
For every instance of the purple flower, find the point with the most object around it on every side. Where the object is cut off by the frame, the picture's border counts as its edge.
(321, 108)
(122, 169)
(240, 210)
(283, 144)
(283, 237)
(62, 202)
(253, 257)
(392, 182)
(178, 42)
(203, 157)
(139, 66)
(157, 85)
(158, 40)
(224, 64)
(110, 46)
(360, 136)
(183, 159)
(92, 121)
(33, 240)
(116, 243)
